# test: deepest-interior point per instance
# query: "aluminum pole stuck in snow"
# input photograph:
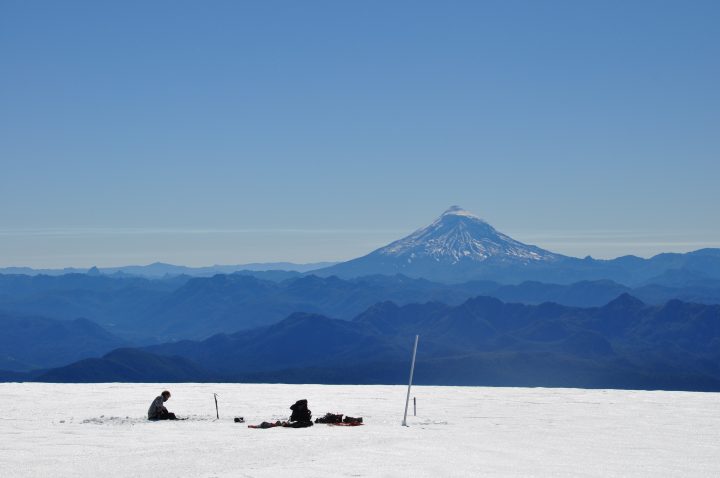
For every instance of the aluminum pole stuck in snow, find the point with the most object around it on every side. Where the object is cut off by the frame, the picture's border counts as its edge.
(412, 370)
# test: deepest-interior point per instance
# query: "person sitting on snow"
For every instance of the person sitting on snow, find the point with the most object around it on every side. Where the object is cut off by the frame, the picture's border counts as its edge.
(157, 410)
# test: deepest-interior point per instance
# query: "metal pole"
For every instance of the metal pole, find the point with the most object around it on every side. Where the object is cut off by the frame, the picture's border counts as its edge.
(414, 406)
(217, 412)
(412, 370)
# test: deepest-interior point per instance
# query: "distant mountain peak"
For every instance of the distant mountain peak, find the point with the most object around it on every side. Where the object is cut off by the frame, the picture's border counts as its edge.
(625, 301)
(459, 211)
(461, 236)
(457, 245)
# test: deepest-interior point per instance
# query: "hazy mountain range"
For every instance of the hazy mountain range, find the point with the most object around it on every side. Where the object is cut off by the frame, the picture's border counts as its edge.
(624, 344)
(159, 269)
(552, 320)
(143, 311)
(457, 247)
(28, 342)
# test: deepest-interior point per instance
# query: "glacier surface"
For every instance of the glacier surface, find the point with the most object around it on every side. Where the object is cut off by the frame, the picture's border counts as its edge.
(99, 430)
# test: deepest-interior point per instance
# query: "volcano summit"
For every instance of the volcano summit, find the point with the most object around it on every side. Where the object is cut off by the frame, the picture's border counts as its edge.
(457, 236)
(458, 245)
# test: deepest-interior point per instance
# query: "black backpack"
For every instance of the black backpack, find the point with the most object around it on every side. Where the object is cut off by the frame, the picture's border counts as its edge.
(300, 412)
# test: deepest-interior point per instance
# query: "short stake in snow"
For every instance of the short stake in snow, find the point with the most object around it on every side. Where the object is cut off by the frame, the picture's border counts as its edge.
(412, 370)
(217, 412)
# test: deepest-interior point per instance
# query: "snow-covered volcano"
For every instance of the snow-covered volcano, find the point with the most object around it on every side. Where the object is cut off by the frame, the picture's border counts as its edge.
(458, 235)
(457, 246)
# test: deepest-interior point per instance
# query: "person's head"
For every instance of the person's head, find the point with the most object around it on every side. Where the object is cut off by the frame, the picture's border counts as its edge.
(165, 395)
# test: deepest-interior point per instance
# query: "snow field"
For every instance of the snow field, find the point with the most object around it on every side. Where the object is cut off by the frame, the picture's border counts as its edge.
(100, 430)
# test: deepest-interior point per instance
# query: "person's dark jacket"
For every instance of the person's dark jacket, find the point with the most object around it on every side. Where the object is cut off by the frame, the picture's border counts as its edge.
(157, 408)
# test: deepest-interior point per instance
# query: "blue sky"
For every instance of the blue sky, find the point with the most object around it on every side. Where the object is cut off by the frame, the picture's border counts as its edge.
(230, 132)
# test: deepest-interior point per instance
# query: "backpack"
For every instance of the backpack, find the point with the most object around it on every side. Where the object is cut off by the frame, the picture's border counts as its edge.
(300, 412)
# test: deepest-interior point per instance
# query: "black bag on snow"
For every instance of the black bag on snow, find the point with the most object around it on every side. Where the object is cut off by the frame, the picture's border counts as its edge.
(300, 412)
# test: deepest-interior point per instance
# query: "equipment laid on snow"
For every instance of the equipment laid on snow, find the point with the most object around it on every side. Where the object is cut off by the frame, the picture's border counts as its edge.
(301, 418)
(337, 419)
(264, 425)
(330, 418)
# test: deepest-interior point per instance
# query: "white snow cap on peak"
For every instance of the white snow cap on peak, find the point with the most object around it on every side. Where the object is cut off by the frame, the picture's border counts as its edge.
(458, 211)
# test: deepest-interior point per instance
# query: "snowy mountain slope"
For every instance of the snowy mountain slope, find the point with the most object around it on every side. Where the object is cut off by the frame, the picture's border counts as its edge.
(457, 246)
(101, 430)
(458, 235)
